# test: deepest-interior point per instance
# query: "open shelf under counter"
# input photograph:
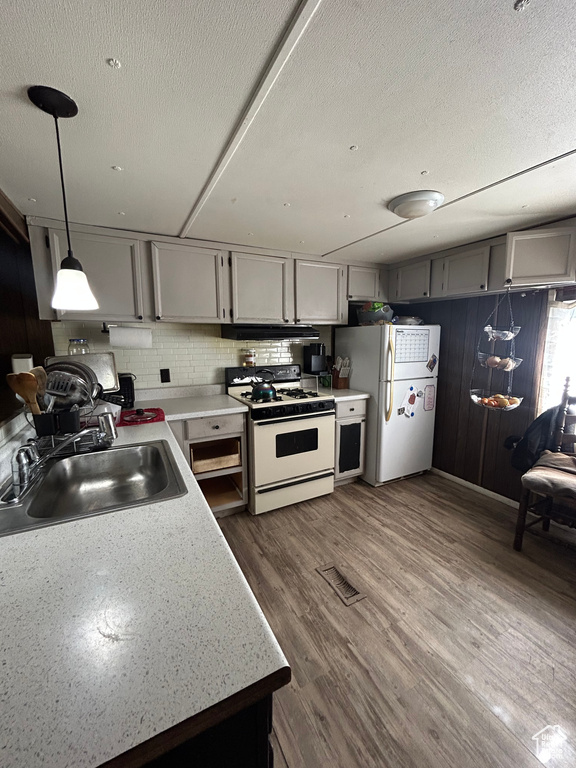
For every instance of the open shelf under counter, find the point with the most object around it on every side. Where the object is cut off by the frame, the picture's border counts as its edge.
(224, 492)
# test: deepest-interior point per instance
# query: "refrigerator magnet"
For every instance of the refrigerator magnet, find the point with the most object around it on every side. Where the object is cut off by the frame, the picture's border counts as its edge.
(431, 364)
(409, 403)
(429, 397)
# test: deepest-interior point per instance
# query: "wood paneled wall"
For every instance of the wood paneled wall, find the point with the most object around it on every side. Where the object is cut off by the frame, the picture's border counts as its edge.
(20, 329)
(469, 439)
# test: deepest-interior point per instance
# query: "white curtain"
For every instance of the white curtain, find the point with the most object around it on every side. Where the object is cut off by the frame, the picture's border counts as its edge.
(559, 354)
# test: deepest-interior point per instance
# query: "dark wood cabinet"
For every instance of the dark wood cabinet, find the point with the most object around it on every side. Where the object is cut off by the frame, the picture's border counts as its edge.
(241, 741)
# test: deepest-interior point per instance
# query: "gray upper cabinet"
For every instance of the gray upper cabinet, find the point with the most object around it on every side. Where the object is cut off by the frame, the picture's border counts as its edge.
(113, 268)
(541, 256)
(413, 281)
(320, 291)
(364, 283)
(188, 284)
(262, 289)
(465, 272)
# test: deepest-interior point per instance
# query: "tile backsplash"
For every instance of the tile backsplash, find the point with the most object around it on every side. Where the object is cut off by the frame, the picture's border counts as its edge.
(195, 354)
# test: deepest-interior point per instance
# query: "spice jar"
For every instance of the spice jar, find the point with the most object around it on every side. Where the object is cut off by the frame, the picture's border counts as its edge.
(249, 358)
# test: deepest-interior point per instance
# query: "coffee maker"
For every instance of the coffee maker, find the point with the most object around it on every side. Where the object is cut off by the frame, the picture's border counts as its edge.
(315, 359)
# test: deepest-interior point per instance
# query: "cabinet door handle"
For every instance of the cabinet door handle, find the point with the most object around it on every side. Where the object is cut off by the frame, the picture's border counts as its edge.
(286, 320)
(158, 317)
(298, 320)
(216, 426)
(482, 287)
(352, 409)
(139, 317)
(425, 293)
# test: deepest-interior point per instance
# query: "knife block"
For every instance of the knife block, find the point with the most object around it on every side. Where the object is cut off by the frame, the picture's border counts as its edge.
(339, 382)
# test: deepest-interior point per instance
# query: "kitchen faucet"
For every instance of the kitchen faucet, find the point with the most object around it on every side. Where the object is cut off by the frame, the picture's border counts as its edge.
(27, 462)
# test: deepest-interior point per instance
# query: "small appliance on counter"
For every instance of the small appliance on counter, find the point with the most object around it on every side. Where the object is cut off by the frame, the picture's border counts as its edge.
(126, 381)
(315, 359)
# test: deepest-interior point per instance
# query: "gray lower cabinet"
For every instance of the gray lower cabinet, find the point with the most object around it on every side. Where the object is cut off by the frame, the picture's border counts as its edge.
(262, 288)
(320, 292)
(412, 282)
(113, 266)
(350, 439)
(541, 256)
(189, 284)
(215, 447)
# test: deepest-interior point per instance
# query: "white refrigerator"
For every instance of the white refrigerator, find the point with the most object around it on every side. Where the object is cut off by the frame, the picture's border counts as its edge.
(398, 366)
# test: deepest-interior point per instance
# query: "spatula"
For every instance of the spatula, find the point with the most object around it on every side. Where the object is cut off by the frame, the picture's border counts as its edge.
(25, 385)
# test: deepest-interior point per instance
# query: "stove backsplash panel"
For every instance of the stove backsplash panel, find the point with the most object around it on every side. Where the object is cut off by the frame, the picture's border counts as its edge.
(195, 354)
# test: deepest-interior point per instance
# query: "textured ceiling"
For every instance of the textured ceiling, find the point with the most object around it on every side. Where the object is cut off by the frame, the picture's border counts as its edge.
(471, 93)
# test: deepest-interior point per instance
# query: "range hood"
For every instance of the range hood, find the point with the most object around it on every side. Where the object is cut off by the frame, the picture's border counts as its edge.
(268, 332)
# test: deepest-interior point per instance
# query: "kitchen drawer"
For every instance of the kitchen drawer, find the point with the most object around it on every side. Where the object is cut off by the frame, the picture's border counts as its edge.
(347, 408)
(211, 426)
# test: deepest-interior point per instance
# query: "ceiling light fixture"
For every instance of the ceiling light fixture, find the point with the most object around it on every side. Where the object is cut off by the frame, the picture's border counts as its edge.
(412, 205)
(72, 291)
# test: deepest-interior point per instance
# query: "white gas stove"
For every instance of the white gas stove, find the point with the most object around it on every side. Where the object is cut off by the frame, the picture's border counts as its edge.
(290, 437)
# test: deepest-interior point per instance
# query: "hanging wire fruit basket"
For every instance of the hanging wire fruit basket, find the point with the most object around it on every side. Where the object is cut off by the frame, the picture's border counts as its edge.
(488, 360)
(502, 334)
(499, 362)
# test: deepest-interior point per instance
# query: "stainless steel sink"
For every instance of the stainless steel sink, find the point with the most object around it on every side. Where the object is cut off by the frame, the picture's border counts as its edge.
(94, 483)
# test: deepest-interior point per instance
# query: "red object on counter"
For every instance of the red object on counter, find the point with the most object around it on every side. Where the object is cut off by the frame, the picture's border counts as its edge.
(141, 416)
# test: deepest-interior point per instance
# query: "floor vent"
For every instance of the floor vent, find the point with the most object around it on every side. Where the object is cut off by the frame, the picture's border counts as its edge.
(340, 584)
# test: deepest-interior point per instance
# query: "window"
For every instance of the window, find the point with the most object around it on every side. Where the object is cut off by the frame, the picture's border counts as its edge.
(559, 353)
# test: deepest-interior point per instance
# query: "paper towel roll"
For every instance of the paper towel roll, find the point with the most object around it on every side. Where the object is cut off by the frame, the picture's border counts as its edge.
(134, 338)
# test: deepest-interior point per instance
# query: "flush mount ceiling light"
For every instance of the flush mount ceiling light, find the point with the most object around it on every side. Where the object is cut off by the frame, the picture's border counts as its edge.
(72, 290)
(413, 205)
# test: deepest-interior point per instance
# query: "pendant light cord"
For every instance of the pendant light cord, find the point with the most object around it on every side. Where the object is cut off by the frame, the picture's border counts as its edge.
(63, 188)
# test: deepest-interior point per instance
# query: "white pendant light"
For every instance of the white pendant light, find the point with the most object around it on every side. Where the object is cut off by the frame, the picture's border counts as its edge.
(413, 205)
(72, 290)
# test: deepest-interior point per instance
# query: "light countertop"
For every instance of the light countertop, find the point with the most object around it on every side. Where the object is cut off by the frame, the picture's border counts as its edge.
(194, 407)
(119, 626)
(178, 408)
(345, 394)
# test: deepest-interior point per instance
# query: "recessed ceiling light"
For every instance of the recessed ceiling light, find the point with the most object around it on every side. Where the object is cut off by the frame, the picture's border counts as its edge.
(301, 242)
(413, 205)
(114, 63)
(121, 213)
(346, 215)
(117, 168)
(286, 205)
(32, 199)
(424, 173)
(250, 233)
(354, 148)
(525, 206)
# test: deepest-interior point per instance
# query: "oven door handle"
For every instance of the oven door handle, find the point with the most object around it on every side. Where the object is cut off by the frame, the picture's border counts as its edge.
(296, 482)
(293, 418)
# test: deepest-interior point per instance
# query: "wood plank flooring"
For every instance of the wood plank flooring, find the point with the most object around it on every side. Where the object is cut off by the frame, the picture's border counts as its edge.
(461, 652)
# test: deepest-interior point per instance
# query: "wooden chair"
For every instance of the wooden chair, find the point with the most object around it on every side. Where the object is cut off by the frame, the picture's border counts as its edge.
(549, 488)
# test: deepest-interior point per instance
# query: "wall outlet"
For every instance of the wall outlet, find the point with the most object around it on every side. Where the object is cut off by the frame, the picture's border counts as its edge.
(164, 374)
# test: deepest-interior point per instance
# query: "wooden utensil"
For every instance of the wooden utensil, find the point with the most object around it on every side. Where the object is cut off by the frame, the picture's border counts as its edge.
(25, 385)
(41, 376)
